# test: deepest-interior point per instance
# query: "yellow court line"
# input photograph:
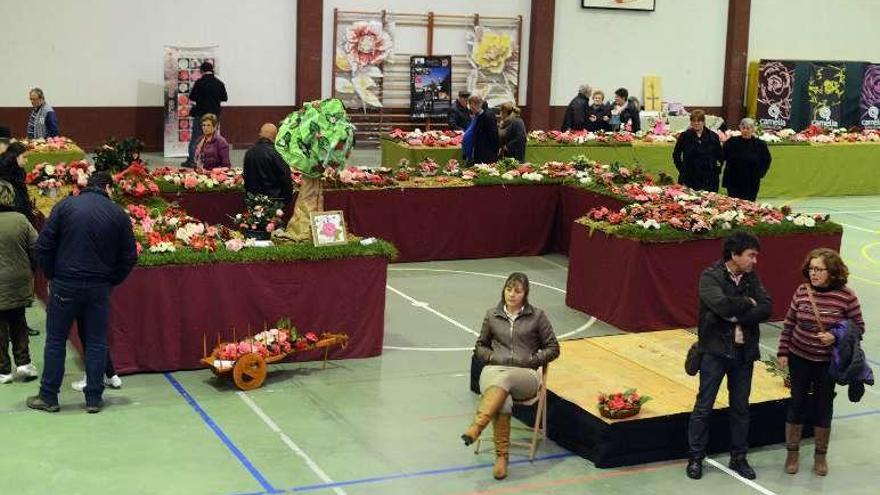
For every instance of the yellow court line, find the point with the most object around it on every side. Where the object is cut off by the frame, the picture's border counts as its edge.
(794, 200)
(864, 251)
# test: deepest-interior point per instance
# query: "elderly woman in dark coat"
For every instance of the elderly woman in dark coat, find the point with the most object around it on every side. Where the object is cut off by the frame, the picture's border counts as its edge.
(747, 160)
(698, 156)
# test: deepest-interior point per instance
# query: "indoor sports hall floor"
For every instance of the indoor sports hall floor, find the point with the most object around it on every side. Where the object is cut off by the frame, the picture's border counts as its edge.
(390, 425)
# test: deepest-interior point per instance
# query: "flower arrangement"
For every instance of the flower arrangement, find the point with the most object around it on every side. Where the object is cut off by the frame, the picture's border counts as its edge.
(437, 139)
(276, 342)
(164, 230)
(49, 144)
(351, 176)
(49, 178)
(619, 405)
(316, 136)
(220, 178)
(135, 182)
(262, 214)
(114, 156)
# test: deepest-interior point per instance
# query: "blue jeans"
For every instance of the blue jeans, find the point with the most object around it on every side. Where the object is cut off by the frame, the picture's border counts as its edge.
(195, 135)
(88, 303)
(739, 387)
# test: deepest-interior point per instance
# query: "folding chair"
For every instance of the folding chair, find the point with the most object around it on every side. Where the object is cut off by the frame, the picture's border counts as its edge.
(539, 430)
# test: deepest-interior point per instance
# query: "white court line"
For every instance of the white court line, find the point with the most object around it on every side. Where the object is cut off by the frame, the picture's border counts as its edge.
(838, 212)
(424, 305)
(428, 349)
(870, 231)
(287, 441)
(553, 263)
(750, 483)
(579, 329)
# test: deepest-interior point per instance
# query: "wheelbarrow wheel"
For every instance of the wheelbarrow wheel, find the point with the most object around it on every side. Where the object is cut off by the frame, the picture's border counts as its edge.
(249, 372)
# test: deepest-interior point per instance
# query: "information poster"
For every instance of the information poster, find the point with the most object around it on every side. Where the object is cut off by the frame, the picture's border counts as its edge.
(181, 72)
(430, 86)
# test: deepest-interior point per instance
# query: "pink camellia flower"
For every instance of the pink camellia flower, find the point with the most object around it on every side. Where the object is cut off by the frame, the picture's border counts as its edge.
(311, 337)
(328, 230)
(234, 244)
(190, 182)
(244, 348)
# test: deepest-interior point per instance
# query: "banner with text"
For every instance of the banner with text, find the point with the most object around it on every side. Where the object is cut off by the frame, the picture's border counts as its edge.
(181, 72)
(776, 85)
(869, 103)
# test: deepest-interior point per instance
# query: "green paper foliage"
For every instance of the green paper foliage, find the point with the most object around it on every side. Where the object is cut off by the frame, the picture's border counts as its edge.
(315, 136)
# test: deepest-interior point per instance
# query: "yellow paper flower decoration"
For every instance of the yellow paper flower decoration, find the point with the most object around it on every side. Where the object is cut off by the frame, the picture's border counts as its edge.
(493, 51)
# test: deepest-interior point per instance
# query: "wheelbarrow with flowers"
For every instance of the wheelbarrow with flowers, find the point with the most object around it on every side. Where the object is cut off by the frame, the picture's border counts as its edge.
(245, 361)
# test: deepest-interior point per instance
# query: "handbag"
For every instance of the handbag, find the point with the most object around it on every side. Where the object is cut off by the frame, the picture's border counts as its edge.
(692, 361)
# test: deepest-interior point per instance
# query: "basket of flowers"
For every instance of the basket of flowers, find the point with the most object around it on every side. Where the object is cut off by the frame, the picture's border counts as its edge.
(245, 360)
(620, 405)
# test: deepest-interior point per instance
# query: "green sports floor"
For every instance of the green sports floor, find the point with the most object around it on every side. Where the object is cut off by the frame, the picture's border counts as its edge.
(390, 425)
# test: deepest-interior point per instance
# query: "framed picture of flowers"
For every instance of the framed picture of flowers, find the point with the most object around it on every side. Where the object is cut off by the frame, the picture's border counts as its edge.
(328, 228)
(620, 4)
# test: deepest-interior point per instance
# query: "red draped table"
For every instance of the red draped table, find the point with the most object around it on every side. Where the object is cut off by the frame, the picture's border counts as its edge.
(638, 286)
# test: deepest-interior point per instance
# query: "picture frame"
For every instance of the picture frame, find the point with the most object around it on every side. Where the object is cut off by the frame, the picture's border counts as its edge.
(640, 5)
(328, 228)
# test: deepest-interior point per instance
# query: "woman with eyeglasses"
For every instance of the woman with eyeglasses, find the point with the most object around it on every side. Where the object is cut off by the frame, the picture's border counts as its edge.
(805, 347)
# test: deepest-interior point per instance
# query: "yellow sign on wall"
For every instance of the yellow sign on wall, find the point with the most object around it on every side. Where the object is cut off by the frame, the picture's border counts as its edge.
(652, 86)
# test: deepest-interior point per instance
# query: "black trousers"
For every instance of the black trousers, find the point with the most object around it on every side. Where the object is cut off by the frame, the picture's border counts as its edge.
(13, 328)
(739, 386)
(809, 375)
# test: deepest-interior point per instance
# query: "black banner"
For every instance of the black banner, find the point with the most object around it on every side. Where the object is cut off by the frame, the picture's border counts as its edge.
(430, 86)
(776, 87)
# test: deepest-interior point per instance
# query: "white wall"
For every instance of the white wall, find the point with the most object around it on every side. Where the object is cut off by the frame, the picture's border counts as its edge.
(682, 41)
(815, 30)
(110, 52)
(500, 8)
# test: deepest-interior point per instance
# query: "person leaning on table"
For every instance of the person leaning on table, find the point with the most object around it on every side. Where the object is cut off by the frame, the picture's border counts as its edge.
(747, 159)
(806, 346)
(516, 339)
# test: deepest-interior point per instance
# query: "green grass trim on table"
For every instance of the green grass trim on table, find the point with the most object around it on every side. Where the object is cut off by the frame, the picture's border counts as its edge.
(167, 187)
(302, 251)
(668, 234)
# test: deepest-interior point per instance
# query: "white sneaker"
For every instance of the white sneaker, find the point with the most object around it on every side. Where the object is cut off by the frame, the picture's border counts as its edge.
(113, 382)
(79, 385)
(27, 371)
(6, 378)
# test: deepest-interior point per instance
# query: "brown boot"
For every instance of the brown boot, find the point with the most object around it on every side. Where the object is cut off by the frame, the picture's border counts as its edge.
(820, 464)
(792, 444)
(501, 431)
(491, 401)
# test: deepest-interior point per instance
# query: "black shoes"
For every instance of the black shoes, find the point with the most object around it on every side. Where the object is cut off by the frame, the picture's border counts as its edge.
(694, 468)
(94, 408)
(32, 332)
(741, 466)
(39, 404)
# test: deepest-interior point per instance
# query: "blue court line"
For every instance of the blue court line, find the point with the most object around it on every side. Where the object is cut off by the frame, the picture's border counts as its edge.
(419, 474)
(857, 414)
(222, 436)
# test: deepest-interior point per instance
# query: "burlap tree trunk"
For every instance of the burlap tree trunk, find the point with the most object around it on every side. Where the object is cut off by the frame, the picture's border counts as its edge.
(310, 199)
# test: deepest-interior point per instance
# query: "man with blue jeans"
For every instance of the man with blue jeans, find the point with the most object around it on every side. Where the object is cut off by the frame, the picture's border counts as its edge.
(732, 304)
(86, 247)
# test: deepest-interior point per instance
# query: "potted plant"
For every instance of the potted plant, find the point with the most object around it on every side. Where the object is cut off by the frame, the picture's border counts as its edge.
(261, 217)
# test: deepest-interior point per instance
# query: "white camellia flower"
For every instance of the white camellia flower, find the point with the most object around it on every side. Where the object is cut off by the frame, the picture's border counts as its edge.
(533, 176)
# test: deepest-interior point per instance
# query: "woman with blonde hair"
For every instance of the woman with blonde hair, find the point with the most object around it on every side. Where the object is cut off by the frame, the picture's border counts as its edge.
(512, 133)
(516, 339)
(805, 348)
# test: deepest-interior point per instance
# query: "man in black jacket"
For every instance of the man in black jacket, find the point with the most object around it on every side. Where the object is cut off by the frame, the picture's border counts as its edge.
(206, 94)
(265, 172)
(459, 114)
(86, 247)
(576, 114)
(732, 304)
(485, 138)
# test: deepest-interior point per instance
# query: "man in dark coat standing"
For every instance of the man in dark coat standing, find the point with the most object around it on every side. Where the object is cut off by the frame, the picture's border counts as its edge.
(206, 94)
(732, 305)
(265, 172)
(481, 136)
(460, 114)
(576, 114)
(85, 249)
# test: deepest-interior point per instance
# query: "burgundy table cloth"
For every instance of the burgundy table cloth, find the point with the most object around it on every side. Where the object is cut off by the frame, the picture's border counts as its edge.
(639, 286)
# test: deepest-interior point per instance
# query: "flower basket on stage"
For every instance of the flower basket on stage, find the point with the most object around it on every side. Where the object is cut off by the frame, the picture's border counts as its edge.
(245, 361)
(620, 405)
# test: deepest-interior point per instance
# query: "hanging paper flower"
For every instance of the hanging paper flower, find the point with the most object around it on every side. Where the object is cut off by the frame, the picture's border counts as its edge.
(492, 51)
(366, 43)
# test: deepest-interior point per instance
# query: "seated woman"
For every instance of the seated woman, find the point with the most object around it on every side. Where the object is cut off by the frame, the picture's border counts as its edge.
(212, 150)
(516, 339)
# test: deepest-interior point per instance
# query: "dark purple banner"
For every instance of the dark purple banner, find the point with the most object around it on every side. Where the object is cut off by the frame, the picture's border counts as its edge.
(869, 103)
(775, 92)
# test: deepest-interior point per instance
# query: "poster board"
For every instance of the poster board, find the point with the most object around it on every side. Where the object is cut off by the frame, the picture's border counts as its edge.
(181, 72)
(430, 86)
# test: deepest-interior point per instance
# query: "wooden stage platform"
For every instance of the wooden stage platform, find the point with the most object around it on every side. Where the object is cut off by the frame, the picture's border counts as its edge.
(653, 363)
